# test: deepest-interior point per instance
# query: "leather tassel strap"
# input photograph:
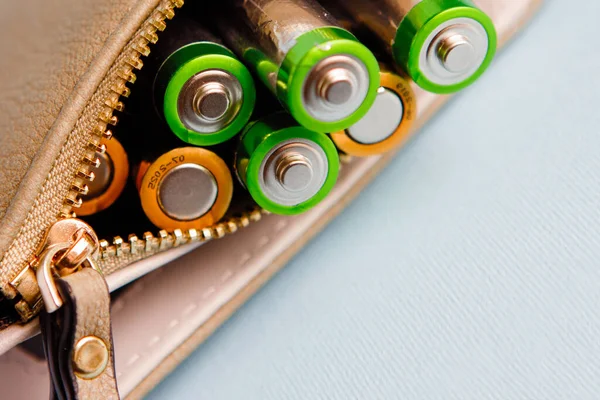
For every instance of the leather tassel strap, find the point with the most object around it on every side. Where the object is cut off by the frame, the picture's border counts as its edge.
(78, 339)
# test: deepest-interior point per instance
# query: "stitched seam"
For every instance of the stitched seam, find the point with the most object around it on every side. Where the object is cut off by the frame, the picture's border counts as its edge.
(244, 260)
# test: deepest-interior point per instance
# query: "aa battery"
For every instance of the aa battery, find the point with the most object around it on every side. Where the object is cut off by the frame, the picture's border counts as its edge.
(320, 72)
(387, 124)
(110, 177)
(185, 188)
(205, 94)
(287, 168)
(444, 45)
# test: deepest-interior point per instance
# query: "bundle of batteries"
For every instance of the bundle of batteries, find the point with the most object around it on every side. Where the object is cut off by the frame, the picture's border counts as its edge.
(340, 70)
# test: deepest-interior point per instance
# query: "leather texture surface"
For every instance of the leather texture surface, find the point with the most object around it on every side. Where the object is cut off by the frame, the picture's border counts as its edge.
(47, 77)
(46, 47)
(85, 313)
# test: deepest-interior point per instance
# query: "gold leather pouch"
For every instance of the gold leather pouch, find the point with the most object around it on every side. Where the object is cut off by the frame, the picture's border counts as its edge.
(65, 70)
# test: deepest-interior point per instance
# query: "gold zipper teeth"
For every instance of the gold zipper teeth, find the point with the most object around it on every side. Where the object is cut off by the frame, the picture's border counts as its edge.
(107, 117)
(150, 36)
(134, 60)
(142, 48)
(118, 253)
(74, 201)
(103, 104)
(149, 244)
(80, 187)
(84, 174)
(99, 148)
(121, 90)
(159, 25)
(91, 159)
(136, 248)
(113, 103)
(100, 129)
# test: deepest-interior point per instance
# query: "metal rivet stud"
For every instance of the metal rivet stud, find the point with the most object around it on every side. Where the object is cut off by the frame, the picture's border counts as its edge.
(90, 357)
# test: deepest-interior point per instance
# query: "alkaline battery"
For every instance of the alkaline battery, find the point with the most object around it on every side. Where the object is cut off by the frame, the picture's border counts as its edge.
(110, 177)
(205, 94)
(287, 168)
(185, 188)
(387, 124)
(444, 45)
(320, 72)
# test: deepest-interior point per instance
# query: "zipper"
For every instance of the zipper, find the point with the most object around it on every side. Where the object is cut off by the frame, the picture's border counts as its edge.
(18, 280)
(119, 253)
(65, 247)
(75, 325)
(69, 245)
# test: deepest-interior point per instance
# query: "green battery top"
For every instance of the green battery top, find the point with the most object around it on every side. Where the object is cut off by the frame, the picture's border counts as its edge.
(287, 168)
(445, 45)
(328, 80)
(205, 93)
(320, 72)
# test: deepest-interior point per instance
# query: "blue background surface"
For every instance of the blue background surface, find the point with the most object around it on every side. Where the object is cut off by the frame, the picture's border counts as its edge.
(468, 269)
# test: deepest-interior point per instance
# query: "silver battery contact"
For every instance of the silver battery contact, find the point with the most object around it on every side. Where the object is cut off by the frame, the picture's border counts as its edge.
(381, 121)
(209, 101)
(454, 51)
(293, 172)
(187, 192)
(387, 124)
(287, 168)
(335, 88)
(444, 45)
(185, 188)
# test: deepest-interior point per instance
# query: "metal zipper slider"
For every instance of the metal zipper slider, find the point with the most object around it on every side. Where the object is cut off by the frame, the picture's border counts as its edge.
(75, 321)
(62, 247)
(65, 258)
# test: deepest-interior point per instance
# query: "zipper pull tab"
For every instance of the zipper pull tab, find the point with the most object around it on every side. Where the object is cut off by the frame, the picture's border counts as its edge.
(75, 321)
